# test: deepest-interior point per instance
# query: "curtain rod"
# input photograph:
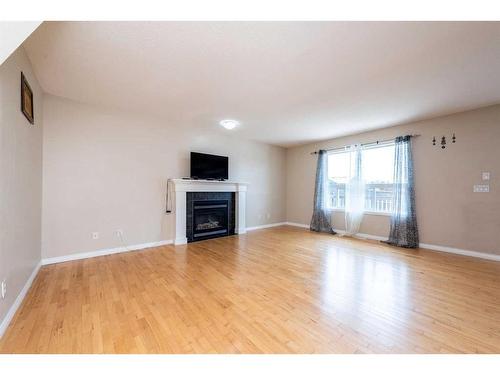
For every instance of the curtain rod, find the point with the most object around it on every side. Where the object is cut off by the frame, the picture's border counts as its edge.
(364, 144)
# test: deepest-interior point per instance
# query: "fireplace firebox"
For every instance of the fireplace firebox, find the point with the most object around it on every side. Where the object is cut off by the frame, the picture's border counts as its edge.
(209, 215)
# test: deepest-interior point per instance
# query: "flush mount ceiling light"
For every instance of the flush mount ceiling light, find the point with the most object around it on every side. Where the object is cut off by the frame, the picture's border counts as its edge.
(229, 124)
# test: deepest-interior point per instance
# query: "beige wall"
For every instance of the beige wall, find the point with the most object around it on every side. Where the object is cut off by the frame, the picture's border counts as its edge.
(20, 179)
(449, 213)
(106, 170)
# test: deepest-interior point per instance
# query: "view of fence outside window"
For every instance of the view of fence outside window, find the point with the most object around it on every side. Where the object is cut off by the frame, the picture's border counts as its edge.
(377, 172)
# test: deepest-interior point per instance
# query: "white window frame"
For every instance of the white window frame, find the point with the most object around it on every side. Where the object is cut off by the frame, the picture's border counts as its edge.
(366, 212)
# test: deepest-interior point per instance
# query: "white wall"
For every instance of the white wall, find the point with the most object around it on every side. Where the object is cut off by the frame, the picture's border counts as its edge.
(106, 170)
(20, 179)
(449, 213)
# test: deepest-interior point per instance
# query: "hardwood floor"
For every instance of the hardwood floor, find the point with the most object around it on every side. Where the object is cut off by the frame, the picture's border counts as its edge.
(280, 290)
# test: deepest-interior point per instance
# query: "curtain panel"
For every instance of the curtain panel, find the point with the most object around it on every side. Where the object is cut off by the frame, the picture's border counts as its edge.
(404, 228)
(354, 192)
(321, 218)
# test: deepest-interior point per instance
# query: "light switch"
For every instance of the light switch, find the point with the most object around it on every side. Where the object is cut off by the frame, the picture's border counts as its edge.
(481, 188)
(486, 176)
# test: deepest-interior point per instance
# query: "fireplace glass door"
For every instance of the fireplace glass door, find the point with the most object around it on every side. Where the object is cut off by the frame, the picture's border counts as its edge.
(210, 218)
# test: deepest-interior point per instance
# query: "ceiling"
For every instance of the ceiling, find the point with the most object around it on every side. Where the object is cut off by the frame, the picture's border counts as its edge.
(13, 34)
(286, 82)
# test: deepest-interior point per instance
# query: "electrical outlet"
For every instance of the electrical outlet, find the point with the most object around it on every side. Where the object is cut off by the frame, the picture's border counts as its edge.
(3, 288)
(485, 176)
(95, 235)
(119, 233)
(481, 188)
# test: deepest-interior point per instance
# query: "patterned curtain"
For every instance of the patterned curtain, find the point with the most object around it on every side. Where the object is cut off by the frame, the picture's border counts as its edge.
(404, 228)
(321, 221)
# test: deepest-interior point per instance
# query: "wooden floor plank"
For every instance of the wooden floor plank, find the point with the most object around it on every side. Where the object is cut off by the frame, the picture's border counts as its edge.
(279, 290)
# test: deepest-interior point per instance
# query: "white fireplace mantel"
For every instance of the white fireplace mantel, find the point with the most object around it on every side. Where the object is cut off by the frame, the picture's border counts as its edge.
(182, 186)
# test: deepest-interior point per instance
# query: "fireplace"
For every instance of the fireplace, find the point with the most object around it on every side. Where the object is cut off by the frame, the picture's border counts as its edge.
(209, 215)
(188, 191)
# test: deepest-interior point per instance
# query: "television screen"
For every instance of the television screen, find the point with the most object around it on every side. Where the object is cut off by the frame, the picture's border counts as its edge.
(206, 166)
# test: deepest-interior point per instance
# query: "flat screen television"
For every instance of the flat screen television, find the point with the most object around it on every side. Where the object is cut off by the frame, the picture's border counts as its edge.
(209, 167)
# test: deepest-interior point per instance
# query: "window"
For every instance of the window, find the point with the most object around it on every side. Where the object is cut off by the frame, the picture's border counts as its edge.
(377, 165)
(338, 166)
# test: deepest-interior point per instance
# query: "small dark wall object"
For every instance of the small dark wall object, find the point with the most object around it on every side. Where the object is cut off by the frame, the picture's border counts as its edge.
(27, 100)
(443, 141)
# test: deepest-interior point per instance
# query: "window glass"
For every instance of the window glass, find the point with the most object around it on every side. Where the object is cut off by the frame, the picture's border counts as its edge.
(338, 166)
(377, 171)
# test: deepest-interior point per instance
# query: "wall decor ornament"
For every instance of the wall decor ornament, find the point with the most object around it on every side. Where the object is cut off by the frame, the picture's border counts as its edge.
(443, 140)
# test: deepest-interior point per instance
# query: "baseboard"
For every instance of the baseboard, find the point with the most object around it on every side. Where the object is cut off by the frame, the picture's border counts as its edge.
(363, 236)
(122, 249)
(19, 299)
(445, 249)
(469, 253)
(117, 250)
(266, 226)
(98, 253)
(297, 225)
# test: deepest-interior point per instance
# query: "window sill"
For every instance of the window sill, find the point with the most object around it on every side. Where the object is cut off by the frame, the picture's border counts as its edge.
(374, 213)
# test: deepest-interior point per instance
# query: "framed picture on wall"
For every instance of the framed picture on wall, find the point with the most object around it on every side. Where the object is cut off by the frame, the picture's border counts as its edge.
(27, 100)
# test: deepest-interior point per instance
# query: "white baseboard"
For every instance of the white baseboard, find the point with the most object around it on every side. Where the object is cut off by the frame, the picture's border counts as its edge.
(122, 249)
(116, 250)
(19, 299)
(266, 226)
(98, 253)
(446, 249)
(341, 232)
(452, 250)
(366, 236)
(297, 225)
(363, 236)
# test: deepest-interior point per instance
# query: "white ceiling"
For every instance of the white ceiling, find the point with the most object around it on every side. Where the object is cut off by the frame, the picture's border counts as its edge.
(13, 34)
(287, 82)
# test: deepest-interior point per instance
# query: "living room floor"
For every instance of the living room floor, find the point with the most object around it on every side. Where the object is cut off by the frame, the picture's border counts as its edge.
(278, 290)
